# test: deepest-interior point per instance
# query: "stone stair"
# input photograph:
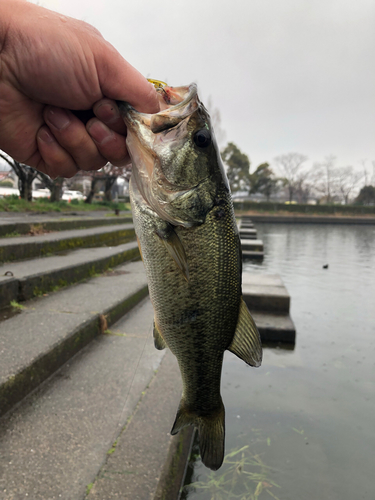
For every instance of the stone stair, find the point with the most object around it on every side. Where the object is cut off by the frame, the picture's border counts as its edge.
(79, 374)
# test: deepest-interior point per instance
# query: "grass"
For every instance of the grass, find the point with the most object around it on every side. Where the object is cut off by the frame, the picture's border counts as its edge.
(17, 306)
(244, 476)
(14, 204)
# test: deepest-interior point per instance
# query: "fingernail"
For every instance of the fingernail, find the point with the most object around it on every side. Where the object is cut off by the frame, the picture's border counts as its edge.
(58, 117)
(46, 136)
(99, 132)
(107, 112)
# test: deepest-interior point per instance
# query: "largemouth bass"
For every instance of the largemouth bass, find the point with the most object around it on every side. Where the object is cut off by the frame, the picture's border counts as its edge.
(188, 238)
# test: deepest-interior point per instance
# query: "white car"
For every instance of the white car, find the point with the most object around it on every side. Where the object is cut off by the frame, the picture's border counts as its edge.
(72, 195)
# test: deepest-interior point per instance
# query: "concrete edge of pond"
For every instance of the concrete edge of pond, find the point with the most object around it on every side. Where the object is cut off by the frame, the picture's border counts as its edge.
(42, 224)
(147, 462)
(305, 219)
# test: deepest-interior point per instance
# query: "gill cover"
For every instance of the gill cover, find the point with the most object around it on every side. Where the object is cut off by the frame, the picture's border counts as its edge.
(176, 163)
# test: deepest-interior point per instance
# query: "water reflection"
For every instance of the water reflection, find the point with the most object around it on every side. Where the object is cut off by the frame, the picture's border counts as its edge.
(308, 413)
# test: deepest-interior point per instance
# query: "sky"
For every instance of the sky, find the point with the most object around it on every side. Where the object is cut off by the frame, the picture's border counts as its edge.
(287, 76)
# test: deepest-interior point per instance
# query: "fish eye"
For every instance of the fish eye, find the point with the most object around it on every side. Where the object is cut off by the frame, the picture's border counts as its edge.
(202, 138)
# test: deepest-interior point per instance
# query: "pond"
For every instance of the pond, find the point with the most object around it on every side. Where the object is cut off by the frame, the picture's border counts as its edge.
(302, 426)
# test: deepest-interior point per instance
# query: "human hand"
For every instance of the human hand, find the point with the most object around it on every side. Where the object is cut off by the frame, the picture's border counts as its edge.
(49, 65)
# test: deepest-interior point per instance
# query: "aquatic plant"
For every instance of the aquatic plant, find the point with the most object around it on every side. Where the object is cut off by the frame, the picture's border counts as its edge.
(244, 476)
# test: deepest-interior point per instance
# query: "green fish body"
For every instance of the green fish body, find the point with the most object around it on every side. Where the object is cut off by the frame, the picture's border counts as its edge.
(189, 242)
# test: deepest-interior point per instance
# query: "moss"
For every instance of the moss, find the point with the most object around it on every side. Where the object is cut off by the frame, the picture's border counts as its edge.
(89, 488)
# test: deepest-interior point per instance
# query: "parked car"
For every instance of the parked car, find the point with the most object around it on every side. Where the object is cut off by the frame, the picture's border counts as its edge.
(72, 195)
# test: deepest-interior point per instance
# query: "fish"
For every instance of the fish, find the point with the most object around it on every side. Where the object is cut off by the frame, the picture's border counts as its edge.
(189, 243)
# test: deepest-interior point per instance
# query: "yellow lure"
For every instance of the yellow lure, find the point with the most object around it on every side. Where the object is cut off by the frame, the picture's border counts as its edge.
(157, 83)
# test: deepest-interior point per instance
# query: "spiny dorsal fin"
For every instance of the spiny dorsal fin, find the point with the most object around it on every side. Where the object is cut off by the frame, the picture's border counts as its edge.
(175, 249)
(246, 341)
(159, 342)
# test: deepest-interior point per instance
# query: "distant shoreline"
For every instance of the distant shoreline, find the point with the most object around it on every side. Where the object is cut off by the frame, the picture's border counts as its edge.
(300, 218)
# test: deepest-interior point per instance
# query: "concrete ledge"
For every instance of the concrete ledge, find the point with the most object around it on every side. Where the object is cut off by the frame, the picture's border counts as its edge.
(147, 462)
(265, 293)
(38, 246)
(34, 344)
(21, 288)
(275, 328)
(248, 254)
(310, 219)
(248, 234)
(46, 282)
(60, 225)
(252, 245)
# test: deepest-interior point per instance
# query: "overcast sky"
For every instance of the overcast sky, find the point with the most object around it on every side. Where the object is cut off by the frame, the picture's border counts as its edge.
(290, 75)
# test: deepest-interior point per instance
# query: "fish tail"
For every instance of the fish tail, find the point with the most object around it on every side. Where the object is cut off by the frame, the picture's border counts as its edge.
(211, 431)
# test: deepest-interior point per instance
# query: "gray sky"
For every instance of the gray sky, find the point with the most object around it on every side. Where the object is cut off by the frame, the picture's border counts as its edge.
(291, 75)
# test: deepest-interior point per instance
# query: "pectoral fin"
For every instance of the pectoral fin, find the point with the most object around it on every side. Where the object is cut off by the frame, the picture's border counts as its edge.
(159, 342)
(175, 249)
(246, 342)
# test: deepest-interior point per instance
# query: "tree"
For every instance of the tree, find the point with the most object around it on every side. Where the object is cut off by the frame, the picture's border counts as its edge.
(263, 181)
(290, 166)
(25, 175)
(324, 174)
(346, 179)
(107, 176)
(238, 168)
(54, 185)
(366, 196)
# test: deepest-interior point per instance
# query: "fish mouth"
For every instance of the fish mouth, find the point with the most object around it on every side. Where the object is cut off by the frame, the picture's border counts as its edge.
(176, 104)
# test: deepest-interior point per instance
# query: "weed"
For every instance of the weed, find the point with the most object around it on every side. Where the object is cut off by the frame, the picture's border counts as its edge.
(17, 306)
(244, 476)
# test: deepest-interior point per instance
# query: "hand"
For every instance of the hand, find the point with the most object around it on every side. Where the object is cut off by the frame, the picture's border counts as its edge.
(49, 65)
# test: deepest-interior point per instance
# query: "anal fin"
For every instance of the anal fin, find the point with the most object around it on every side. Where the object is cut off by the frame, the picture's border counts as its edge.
(159, 342)
(246, 342)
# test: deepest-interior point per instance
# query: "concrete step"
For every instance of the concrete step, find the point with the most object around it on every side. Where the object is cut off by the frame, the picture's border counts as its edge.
(36, 277)
(248, 234)
(15, 226)
(265, 292)
(27, 247)
(249, 254)
(269, 302)
(252, 249)
(275, 328)
(252, 245)
(50, 330)
(113, 401)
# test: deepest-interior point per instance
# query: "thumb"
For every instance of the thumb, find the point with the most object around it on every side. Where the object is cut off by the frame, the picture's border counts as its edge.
(120, 81)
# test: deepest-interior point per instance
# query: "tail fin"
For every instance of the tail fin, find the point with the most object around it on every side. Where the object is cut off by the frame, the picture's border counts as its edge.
(211, 431)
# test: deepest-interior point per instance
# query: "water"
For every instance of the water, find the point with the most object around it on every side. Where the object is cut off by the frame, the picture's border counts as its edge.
(306, 418)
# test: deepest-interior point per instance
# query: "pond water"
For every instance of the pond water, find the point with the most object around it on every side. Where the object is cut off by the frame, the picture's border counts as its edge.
(302, 426)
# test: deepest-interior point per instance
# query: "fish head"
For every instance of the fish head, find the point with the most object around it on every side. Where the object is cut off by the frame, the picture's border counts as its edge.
(176, 163)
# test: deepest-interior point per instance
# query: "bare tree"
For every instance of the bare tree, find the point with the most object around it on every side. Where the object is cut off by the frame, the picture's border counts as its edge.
(324, 173)
(25, 175)
(107, 176)
(290, 165)
(54, 185)
(346, 179)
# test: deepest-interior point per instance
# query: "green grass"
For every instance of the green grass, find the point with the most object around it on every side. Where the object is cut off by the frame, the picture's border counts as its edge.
(14, 204)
